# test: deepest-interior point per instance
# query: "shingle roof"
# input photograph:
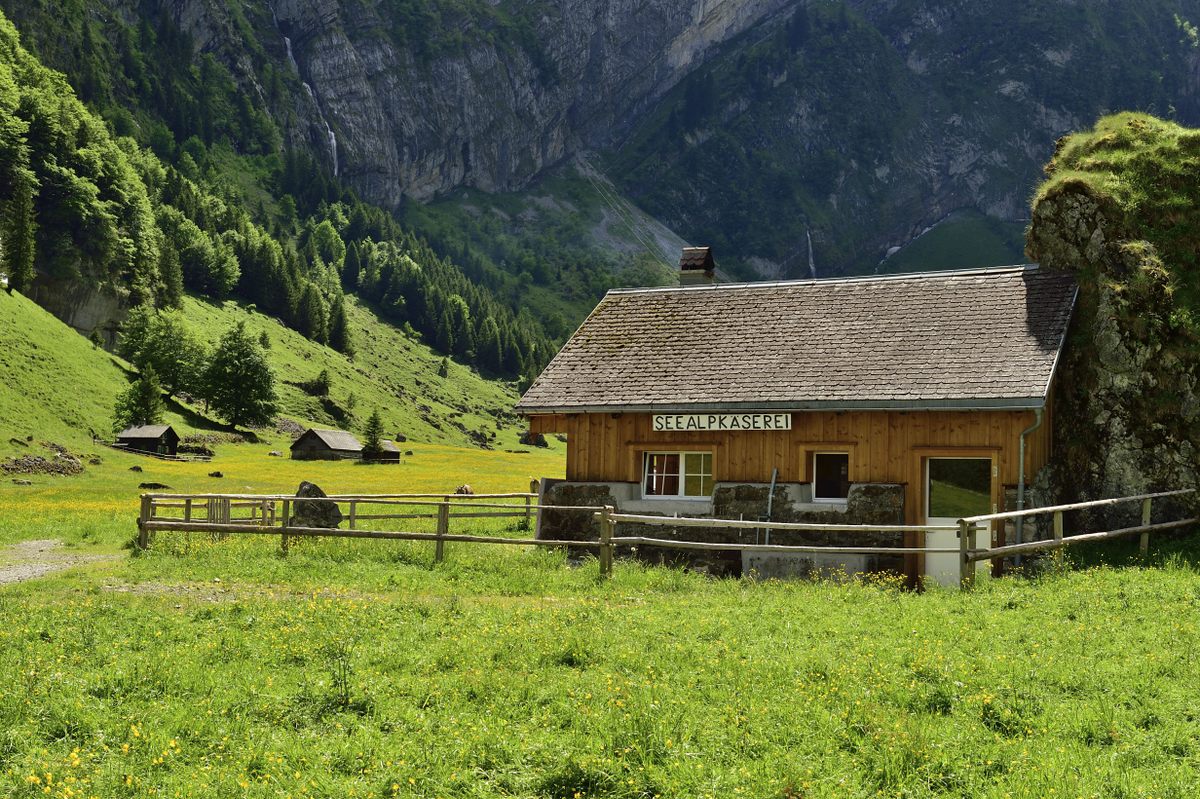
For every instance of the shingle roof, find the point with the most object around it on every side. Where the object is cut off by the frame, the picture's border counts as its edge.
(980, 338)
(335, 439)
(144, 431)
(697, 258)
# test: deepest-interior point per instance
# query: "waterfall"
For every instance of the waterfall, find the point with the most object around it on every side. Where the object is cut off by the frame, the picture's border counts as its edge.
(332, 146)
(330, 136)
(812, 261)
(287, 43)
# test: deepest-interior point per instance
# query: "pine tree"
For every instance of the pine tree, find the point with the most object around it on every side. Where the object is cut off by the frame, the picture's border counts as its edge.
(339, 328)
(140, 404)
(18, 233)
(373, 435)
(171, 272)
(798, 28)
(490, 347)
(239, 383)
(135, 330)
(314, 322)
(352, 267)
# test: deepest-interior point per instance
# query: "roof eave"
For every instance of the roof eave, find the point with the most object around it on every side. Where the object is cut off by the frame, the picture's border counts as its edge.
(973, 404)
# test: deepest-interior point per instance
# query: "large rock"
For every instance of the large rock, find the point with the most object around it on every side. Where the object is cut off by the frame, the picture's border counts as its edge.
(319, 512)
(1126, 405)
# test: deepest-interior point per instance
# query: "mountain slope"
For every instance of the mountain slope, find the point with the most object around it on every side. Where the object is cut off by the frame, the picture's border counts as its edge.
(60, 387)
(750, 124)
(866, 124)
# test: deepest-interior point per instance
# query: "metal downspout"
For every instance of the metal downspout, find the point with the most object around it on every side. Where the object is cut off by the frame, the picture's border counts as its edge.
(1020, 521)
(771, 501)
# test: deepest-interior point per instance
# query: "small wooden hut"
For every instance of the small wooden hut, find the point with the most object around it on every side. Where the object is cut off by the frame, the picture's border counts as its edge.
(326, 445)
(156, 439)
(388, 453)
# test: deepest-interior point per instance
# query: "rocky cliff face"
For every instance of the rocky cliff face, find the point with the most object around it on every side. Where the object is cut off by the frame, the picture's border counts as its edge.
(843, 137)
(492, 109)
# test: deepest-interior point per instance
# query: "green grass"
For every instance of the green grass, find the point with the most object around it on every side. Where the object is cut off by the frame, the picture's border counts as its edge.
(221, 669)
(98, 508)
(56, 382)
(966, 240)
(60, 387)
(365, 671)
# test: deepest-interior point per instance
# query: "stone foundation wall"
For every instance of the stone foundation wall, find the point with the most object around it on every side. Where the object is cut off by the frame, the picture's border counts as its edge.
(868, 503)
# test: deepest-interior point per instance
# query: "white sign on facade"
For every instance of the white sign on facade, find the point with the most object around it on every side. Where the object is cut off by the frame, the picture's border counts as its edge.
(675, 422)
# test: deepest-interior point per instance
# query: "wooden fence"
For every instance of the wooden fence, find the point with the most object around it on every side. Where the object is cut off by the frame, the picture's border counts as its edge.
(224, 514)
(971, 525)
(227, 514)
(185, 458)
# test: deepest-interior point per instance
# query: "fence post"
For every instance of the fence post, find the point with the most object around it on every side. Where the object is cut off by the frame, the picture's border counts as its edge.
(606, 547)
(144, 515)
(353, 513)
(534, 489)
(966, 569)
(287, 519)
(1058, 538)
(1144, 540)
(443, 527)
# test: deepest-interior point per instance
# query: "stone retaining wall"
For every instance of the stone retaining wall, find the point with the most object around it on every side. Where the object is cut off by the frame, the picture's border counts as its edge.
(868, 503)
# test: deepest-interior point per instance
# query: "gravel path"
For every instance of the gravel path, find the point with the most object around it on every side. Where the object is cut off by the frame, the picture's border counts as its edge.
(29, 560)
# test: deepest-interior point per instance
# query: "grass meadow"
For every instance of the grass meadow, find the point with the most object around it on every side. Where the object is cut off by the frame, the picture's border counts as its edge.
(361, 668)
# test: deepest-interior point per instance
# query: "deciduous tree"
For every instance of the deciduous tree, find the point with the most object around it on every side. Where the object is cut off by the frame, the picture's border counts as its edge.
(140, 404)
(239, 383)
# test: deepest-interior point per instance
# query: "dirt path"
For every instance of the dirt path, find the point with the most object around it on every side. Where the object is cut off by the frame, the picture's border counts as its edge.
(29, 560)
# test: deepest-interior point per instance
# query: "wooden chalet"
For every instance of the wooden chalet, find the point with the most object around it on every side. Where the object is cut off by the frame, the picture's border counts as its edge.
(155, 439)
(326, 445)
(911, 399)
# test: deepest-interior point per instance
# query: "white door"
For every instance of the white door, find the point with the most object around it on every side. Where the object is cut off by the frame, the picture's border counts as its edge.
(954, 489)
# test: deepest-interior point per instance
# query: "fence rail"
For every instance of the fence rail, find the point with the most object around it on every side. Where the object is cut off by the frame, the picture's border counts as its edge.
(971, 525)
(278, 515)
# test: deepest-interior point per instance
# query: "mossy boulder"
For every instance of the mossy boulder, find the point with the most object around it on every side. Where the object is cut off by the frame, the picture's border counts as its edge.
(1121, 209)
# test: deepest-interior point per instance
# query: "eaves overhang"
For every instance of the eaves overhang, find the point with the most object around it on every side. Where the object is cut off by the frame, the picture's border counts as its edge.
(979, 404)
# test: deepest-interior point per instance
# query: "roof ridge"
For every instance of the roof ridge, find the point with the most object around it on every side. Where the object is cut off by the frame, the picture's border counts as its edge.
(763, 284)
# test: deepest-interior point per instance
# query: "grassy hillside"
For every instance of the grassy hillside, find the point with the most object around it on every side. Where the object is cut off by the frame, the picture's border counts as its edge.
(56, 384)
(963, 240)
(569, 237)
(391, 373)
(59, 387)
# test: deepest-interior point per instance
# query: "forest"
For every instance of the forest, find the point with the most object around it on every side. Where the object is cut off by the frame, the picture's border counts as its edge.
(198, 194)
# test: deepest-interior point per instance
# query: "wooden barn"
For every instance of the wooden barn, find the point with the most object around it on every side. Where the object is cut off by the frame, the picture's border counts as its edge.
(388, 453)
(907, 399)
(326, 445)
(156, 439)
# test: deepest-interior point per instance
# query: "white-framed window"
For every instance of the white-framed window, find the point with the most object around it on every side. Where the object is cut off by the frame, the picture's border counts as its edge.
(831, 476)
(677, 474)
